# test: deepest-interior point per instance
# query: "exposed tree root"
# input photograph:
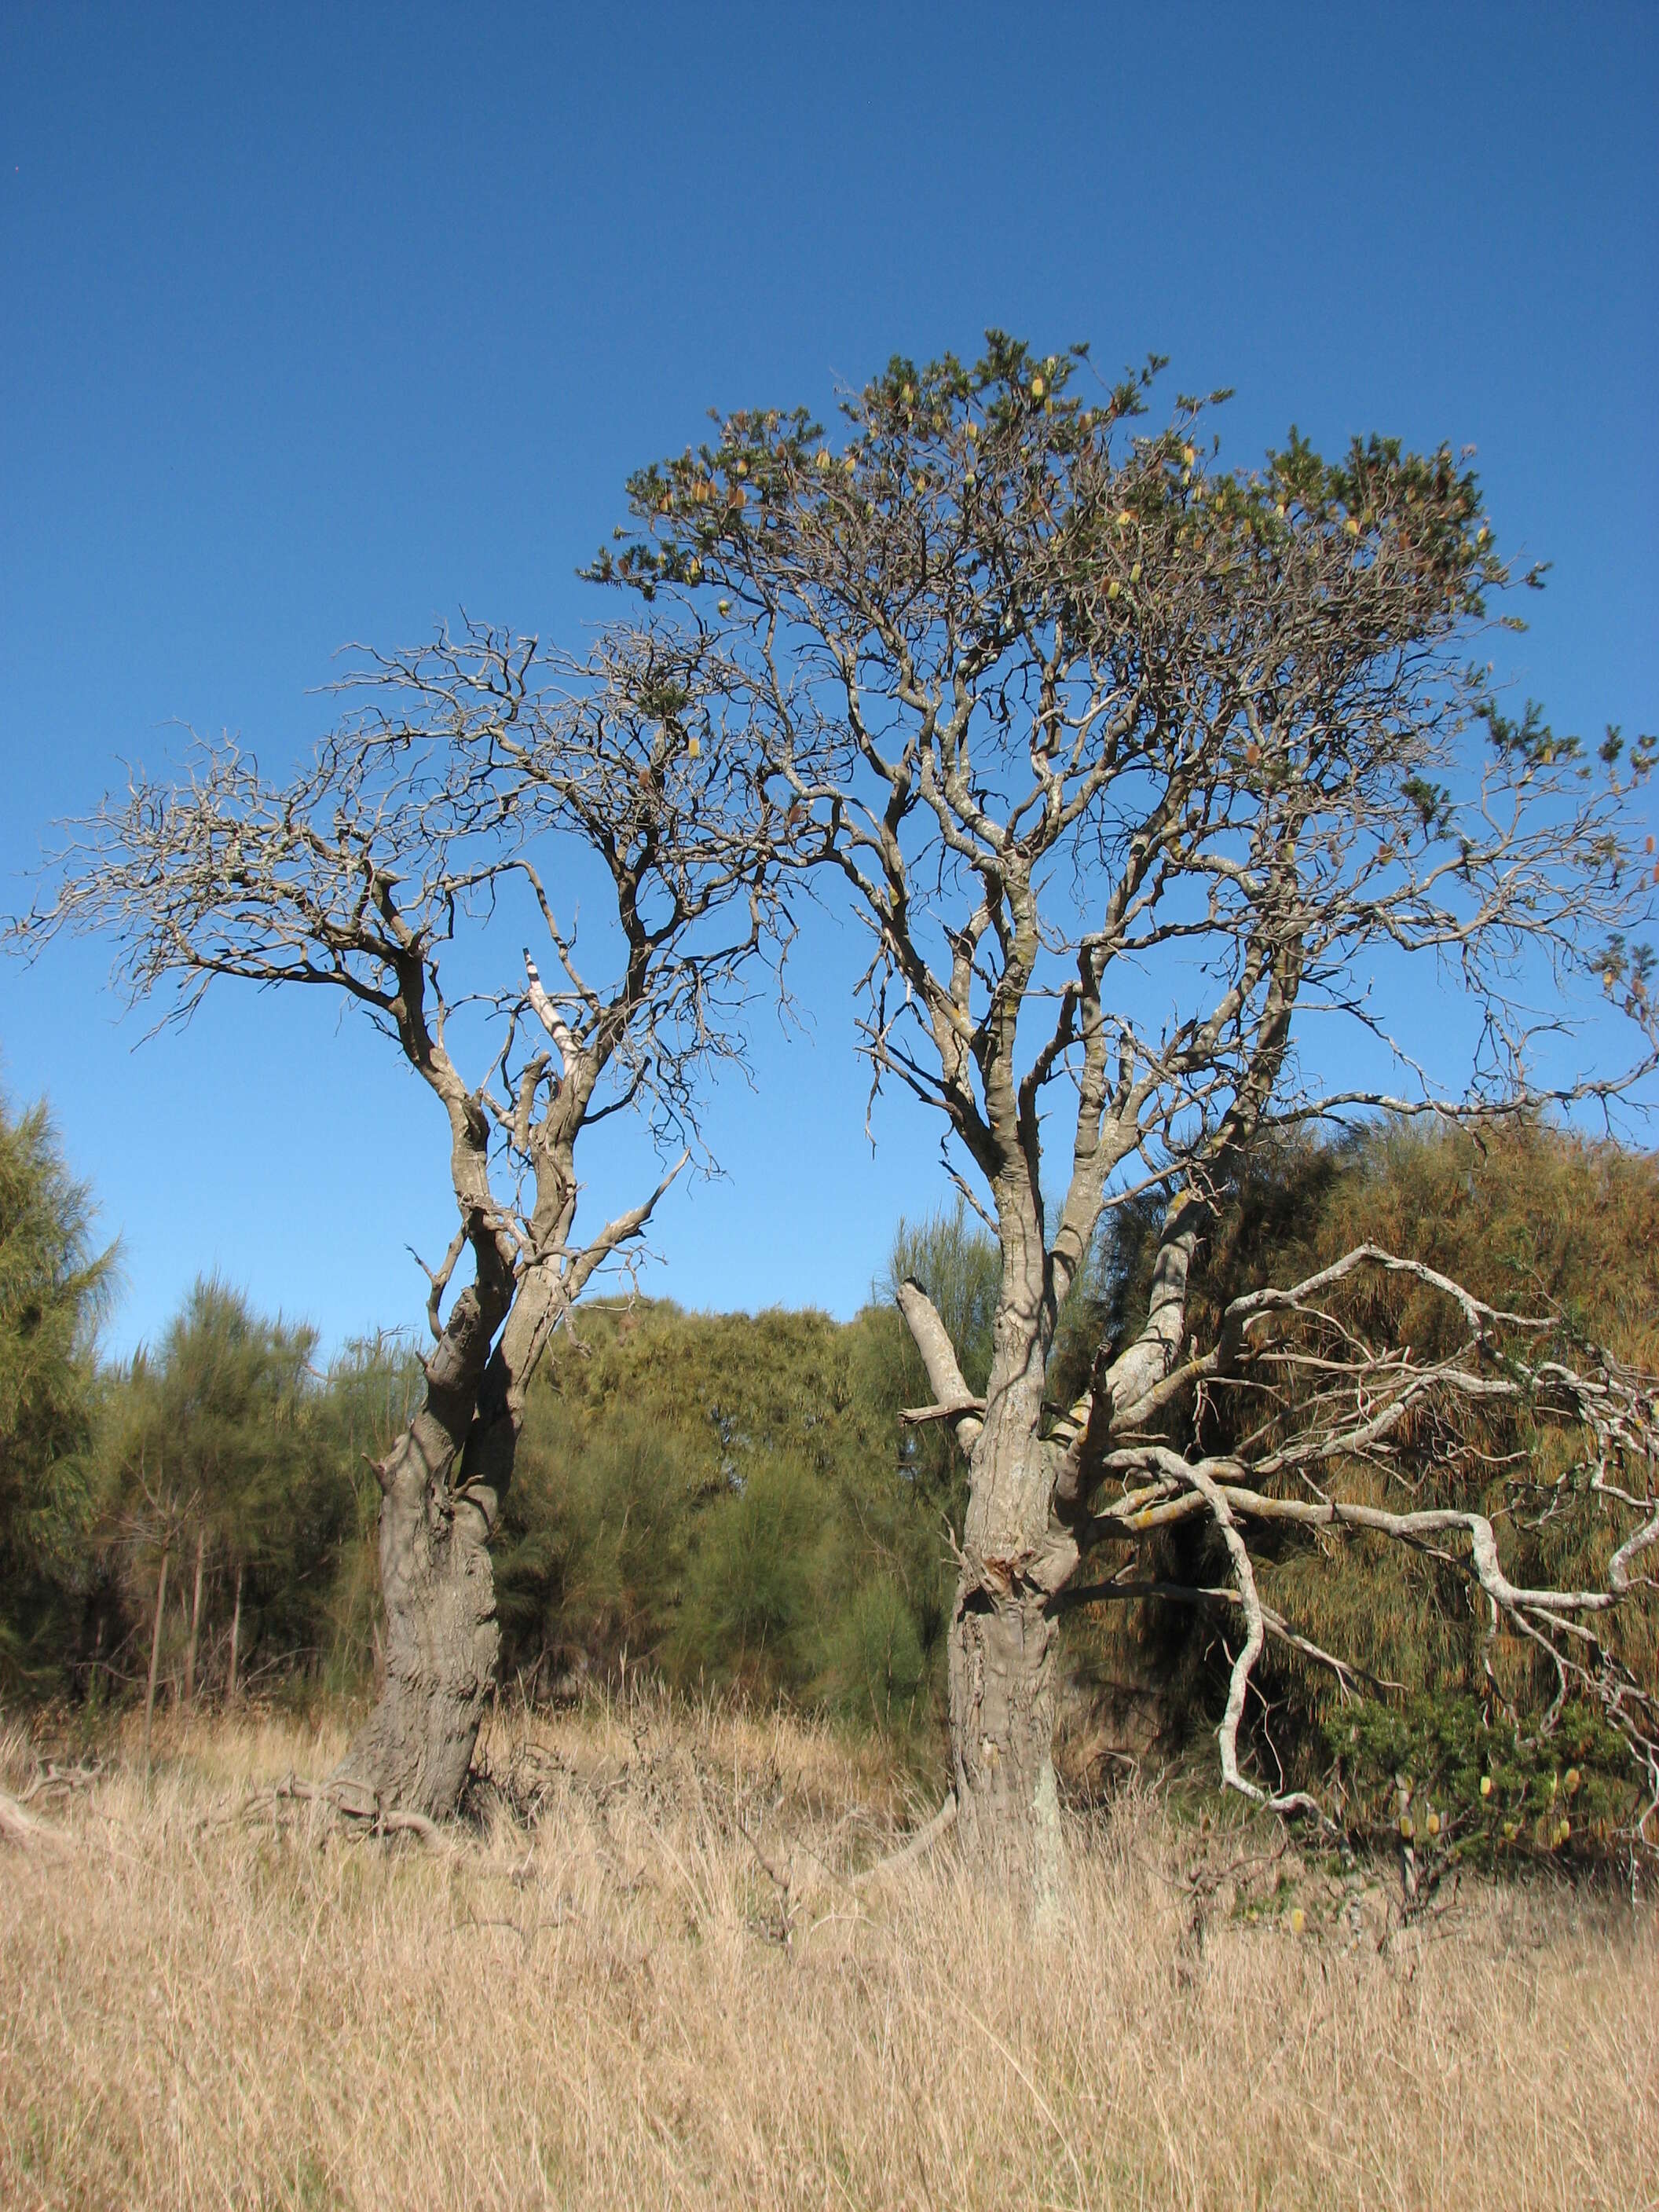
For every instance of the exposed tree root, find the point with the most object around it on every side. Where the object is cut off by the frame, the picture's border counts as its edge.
(354, 1802)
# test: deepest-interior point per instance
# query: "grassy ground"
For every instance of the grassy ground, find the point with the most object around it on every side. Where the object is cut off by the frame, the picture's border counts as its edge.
(660, 1989)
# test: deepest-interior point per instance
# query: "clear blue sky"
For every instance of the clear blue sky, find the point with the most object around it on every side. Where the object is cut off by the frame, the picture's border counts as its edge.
(318, 322)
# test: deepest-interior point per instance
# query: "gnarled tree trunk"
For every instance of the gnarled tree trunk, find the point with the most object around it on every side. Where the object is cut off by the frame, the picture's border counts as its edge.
(1002, 1639)
(437, 1584)
(440, 1489)
(442, 1640)
(1027, 1492)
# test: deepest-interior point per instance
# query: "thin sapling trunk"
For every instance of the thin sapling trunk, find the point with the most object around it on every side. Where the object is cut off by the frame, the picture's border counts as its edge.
(236, 1638)
(154, 1652)
(195, 1623)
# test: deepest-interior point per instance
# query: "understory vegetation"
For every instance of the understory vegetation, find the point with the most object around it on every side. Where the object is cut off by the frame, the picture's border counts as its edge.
(728, 1504)
(654, 1977)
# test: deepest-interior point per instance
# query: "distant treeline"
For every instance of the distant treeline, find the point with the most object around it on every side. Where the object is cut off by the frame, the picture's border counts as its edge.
(730, 1502)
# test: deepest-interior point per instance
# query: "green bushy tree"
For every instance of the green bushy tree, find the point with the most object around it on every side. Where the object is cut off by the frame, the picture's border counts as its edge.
(217, 1488)
(54, 1289)
(720, 1498)
(1135, 764)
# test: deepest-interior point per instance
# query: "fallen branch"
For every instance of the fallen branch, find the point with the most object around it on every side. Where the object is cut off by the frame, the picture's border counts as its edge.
(24, 1832)
(60, 1778)
(915, 1847)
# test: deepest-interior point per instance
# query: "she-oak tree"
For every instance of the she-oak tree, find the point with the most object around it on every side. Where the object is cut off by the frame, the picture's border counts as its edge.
(479, 770)
(1132, 764)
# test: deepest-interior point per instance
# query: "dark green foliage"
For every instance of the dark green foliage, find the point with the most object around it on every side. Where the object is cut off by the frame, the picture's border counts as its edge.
(728, 1501)
(878, 1655)
(226, 1444)
(1479, 1790)
(591, 1557)
(53, 1288)
(722, 1499)
(764, 1581)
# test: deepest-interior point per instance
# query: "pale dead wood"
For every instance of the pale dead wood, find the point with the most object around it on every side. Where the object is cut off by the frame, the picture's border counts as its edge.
(25, 1831)
(914, 1848)
(358, 1806)
(1335, 1404)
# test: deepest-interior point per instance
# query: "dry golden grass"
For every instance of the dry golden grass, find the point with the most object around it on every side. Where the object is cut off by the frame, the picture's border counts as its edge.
(620, 2006)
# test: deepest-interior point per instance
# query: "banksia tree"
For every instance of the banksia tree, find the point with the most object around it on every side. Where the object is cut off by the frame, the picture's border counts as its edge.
(1133, 763)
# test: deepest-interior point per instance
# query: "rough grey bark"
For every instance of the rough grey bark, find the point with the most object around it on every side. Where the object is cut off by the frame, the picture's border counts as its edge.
(1002, 1726)
(442, 1486)
(1001, 1637)
(437, 1584)
(442, 1640)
